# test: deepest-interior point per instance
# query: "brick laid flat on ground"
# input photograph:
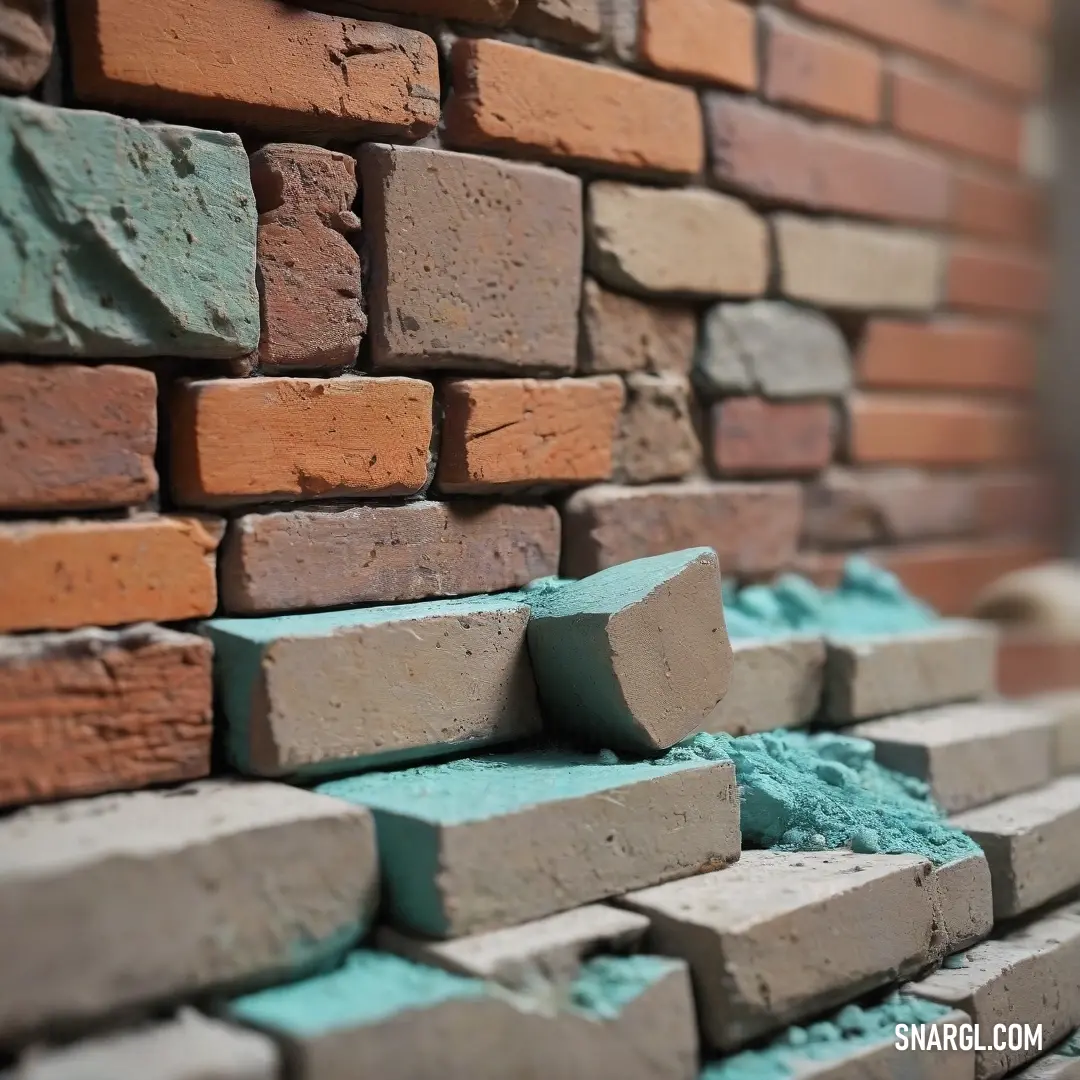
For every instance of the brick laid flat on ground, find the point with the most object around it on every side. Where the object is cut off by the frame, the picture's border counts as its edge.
(304, 694)
(257, 64)
(308, 273)
(969, 755)
(755, 437)
(882, 674)
(963, 904)
(146, 248)
(64, 574)
(76, 437)
(689, 242)
(529, 103)
(754, 528)
(315, 558)
(487, 842)
(506, 434)
(656, 439)
(1030, 975)
(1030, 842)
(780, 937)
(474, 263)
(27, 36)
(635, 657)
(124, 901)
(102, 710)
(709, 40)
(245, 440)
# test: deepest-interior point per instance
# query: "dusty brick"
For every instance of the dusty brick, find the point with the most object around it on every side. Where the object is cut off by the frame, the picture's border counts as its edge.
(242, 440)
(690, 242)
(761, 151)
(622, 333)
(307, 272)
(335, 556)
(993, 208)
(990, 279)
(946, 354)
(531, 103)
(623, 19)
(843, 265)
(898, 429)
(99, 710)
(1036, 663)
(65, 574)
(256, 63)
(1019, 504)
(752, 527)
(521, 433)
(486, 12)
(755, 437)
(474, 263)
(709, 40)
(573, 22)
(947, 114)
(76, 437)
(820, 72)
(656, 439)
(26, 42)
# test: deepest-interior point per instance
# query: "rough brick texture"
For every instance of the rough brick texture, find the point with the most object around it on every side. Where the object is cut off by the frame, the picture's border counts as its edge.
(26, 42)
(752, 527)
(96, 710)
(990, 207)
(76, 438)
(256, 64)
(572, 22)
(486, 12)
(997, 280)
(754, 437)
(65, 574)
(656, 438)
(705, 40)
(522, 433)
(474, 263)
(242, 440)
(533, 104)
(308, 273)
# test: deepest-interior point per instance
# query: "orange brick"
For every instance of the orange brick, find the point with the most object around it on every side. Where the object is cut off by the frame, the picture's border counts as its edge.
(59, 575)
(1030, 14)
(242, 440)
(774, 155)
(1019, 504)
(256, 63)
(533, 104)
(710, 40)
(1031, 663)
(819, 71)
(947, 354)
(989, 279)
(754, 437)
(520, 433)
(944, 113)
(1014, 211)
(944, 32)
(913, 430)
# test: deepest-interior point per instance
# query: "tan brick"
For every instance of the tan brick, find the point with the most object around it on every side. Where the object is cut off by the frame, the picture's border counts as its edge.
(27, 36)
(1019, 504)
(947, 354)
(702, 40)
(317, 558)
(964, 903)
(681, 243)
(1030, 662)
(843, 265)
(98, 710)
(75, 437)
(63, 574)
(758, 150)
(534, 104)
(572, 22)
(819, 71)
(256, 64)
(755, 437)
(752, 527)
(656, 437)
(243, 440)
(987, 206)
(997, 280)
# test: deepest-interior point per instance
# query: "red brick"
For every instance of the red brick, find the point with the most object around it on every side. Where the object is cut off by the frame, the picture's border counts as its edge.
(996, 280)
(947, 354)
(75, 437)
(819, 71)
(243, 440)
(522, 433)
(1030, 14)
(1020, 504)
(1013, 211)
(1031, 663)
(754, 437)
(783, 158)
(534, 104)
(887, 429)
(943, 32)
(27, 36)
(950, 115)
(703, 40)
(59, 575)
(95, 711)
(486, 12)
(256, 63)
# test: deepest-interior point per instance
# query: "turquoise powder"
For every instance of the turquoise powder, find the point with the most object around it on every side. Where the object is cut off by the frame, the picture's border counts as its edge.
(1071, 1046)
